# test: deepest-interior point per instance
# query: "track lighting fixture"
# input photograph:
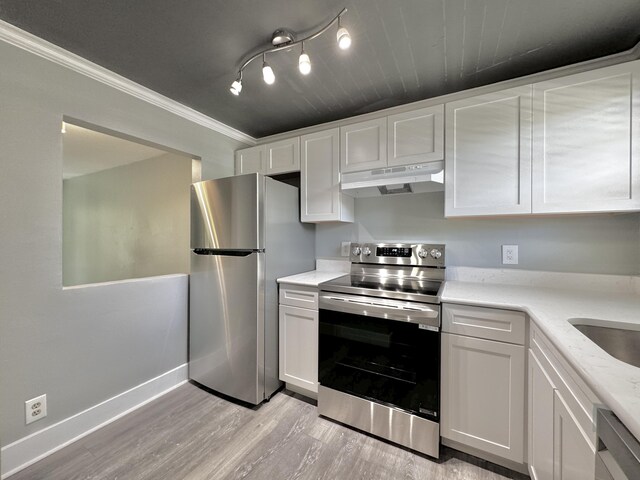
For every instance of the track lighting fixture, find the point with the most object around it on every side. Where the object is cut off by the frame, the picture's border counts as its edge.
(283, 39)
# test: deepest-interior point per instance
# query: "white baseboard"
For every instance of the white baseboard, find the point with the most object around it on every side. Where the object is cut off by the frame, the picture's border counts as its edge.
(28, 450)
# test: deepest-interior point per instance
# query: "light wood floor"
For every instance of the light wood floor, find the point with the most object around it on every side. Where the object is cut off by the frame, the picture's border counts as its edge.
(191, 434)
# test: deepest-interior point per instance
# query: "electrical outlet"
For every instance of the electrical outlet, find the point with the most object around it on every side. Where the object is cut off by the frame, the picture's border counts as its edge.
(509, 254)
(344, 249)
(35, 409)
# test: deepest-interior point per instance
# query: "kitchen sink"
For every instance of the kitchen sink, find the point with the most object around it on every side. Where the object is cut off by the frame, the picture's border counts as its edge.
(620, 340)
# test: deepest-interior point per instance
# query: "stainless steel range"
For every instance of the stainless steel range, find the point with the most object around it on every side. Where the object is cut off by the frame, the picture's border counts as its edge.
(379, 347)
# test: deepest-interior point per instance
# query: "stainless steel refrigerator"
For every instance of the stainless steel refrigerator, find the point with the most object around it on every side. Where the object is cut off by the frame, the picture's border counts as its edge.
(245, 233)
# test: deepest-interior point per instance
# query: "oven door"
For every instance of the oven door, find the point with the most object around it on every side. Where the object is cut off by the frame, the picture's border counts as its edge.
(386, 351)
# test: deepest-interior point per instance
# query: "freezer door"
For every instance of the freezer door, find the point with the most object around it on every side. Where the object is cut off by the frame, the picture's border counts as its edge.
(226, 324)
(227, 213)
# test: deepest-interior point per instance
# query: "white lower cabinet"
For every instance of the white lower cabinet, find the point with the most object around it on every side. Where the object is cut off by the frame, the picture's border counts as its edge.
(573, 455)
(541, 399)
(483, 377)
(561, 424)
(298, 337)
(483, 395)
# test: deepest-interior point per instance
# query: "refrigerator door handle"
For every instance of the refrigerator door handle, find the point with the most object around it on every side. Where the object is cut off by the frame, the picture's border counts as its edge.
(228, 253)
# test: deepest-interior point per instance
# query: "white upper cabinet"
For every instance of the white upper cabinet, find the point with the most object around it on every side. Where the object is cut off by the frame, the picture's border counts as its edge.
(270, 159)
(416, 136)
(363, 146)
(283, 156)
(488, 154)
(251, 160)
(586, 130)
(320, 196)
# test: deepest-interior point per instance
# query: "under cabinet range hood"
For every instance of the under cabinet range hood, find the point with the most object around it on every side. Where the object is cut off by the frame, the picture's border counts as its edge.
(426, 177)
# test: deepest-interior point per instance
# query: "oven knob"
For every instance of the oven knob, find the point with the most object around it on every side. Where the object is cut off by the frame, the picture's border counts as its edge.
(356, 251)
(366, 251)
(435, 253)
(422, 253)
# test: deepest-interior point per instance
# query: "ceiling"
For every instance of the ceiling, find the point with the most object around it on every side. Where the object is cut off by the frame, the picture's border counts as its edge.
(402, 51)
(87, 151)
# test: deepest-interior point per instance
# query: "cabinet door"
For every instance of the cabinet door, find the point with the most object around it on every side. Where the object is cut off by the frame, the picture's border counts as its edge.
(416, 136)
(320, 197)
(541, 398)
(574, 456)
(483, 395)
(251, 160)
(488, 154)
(363, 146)
(283, 156)
(299, 347)
(586, 130)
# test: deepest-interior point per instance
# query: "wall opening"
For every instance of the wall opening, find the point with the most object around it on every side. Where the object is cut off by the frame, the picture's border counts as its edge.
(125, 207)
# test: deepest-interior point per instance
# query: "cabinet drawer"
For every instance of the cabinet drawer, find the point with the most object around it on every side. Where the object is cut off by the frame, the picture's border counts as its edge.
(299, 296)
(487, 323)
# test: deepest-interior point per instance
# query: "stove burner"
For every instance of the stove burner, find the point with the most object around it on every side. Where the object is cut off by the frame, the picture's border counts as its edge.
(397, 285)
(395, 271)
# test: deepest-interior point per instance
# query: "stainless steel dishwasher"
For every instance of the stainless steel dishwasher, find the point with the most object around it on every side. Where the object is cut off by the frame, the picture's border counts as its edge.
(618, 450)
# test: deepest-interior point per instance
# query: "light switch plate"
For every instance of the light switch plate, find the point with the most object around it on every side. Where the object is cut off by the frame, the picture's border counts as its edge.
(509, 254)
(344, 249)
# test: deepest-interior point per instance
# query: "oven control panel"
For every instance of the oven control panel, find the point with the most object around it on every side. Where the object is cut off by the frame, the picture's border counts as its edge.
(418, 254)
(397, 252)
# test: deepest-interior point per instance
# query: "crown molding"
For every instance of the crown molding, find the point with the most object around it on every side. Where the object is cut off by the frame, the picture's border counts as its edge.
(26, 41)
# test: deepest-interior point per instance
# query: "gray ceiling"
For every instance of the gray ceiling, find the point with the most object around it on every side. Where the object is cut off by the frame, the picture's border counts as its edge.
(402, 51)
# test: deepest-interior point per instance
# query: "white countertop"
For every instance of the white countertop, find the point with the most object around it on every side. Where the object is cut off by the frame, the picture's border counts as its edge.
(311, 279)
(616, 383)
(326, 269)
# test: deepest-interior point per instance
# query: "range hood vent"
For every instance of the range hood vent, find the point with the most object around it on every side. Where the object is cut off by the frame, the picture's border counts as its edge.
(426, 177)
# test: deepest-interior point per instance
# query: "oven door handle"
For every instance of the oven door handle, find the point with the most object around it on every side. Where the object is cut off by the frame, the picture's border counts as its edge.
(420, 314)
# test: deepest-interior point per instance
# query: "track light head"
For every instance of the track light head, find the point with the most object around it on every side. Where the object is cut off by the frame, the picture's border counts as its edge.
(344, 39)
(236, 86)
(267, 74)
(304, 62)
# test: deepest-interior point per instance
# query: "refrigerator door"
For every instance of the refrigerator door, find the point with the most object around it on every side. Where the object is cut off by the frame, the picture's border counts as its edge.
(226, 346)
(227, 213)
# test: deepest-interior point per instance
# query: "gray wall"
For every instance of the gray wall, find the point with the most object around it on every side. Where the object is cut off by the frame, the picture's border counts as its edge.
(82, 345)
(605, 243)
(127, 222)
